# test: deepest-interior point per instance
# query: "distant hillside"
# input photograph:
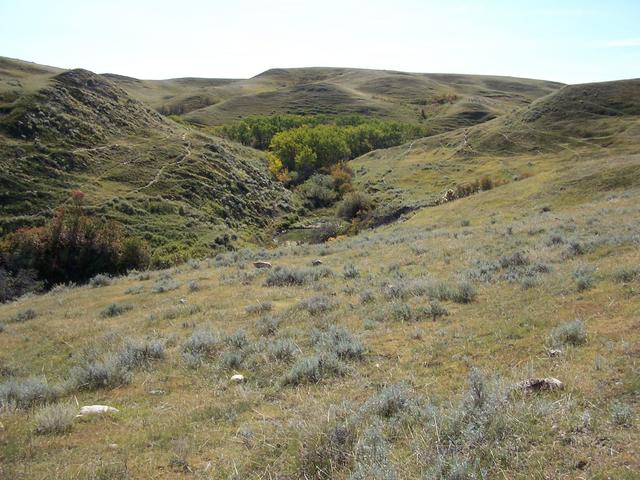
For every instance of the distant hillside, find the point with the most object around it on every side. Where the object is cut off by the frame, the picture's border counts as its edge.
(64, 130)
(448, 101)
(593, 125)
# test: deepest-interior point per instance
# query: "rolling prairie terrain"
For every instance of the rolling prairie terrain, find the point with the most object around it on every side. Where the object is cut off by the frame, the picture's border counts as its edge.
(397, 352)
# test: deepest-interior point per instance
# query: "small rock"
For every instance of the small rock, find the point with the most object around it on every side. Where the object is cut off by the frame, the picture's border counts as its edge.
(238, 378)
(316, 262)
(96, 409)
(537, 384)
(157, 392)
(554, 352)
(113, 446)
(183, 301)
(261, 264)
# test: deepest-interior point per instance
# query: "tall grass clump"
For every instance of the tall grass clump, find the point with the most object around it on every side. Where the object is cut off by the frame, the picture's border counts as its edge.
(258, 308)
(100, 280)
(584, 278)
(24, 315)
(314, 369)
(571, 333)
(340, 342)
(27, 393)
(115, 309)
(285, 276)
(93, 373)
(317, 304)
(372, 457)
(55, 419)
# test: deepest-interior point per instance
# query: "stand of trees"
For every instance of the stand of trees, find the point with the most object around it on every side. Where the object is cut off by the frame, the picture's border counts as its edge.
(71, 247)
(300, 146)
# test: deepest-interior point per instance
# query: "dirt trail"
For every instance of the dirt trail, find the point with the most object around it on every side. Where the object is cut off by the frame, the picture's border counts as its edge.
(183, 157)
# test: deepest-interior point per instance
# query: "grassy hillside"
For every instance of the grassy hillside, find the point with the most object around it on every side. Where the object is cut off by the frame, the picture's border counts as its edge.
(397, 357)
(78, 130)
(589, 130)
(448, 101)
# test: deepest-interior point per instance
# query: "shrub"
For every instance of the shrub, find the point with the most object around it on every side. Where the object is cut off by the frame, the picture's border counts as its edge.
(115, 309)
(339, 342)
(284, 276)
(626, 274)
(571, 333)
(165, 284)
(583, 276)
(100, 280)
(465, 292)
(72, 247)
(27, 393)
(141, 353)
(436, 310)
(315, 305)
(325, 453)
(318, 191)
(486, 183)
(135, 290)
(202, 341)
(518, 259)
(24, 315)
(314, 369)
(622, 414)
(268, 325)
(350, 271)
(367, 296)
(232, 360)
(238, 339)
(372, 457)
(354, 204)
(283, 349)
(55, 419)
(92, 374)
(17, 282)
(401, 312)
(391, 401)
(259, 308)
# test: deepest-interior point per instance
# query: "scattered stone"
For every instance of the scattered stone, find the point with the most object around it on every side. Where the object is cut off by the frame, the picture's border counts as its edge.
(261, 264)
(96, 409)
(316, 262)
(238, 378)
(538, 384)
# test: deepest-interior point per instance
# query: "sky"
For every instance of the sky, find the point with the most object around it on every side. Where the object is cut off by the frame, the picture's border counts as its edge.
(563, 40)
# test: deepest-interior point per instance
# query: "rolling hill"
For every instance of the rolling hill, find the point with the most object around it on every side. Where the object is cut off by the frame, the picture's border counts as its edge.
(431, 347)
(448, 101)
(65, 130)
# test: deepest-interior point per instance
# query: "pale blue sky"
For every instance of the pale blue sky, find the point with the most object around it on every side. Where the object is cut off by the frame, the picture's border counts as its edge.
(569, 41)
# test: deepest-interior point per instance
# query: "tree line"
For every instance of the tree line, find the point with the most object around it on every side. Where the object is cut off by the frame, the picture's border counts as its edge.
(299, 146)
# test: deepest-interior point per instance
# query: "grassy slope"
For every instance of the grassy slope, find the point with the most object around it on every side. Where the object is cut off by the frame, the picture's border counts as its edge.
(585, 124)
(388, 94)
(259, 429)
(92, 136)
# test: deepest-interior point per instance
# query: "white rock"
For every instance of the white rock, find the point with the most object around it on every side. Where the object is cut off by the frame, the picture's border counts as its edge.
(261, 264)
(238, 378)
(96, 410)
(316, 262)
